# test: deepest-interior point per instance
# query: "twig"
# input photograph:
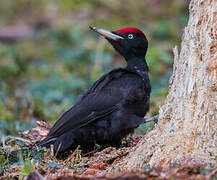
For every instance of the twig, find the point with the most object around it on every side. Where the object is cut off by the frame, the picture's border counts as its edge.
(73, 154)
(19, 139)
(59, 146)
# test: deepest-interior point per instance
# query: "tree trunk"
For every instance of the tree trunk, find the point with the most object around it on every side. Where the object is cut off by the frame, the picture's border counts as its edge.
(187, 126)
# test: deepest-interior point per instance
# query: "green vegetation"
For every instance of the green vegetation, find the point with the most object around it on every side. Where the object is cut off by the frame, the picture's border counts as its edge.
(42, 74)
(48, 56)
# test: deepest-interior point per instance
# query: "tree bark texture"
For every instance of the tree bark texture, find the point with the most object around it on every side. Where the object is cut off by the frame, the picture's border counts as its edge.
(187, 126)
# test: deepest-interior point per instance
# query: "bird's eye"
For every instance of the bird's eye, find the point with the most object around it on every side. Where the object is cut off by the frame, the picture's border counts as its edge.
(130, 36)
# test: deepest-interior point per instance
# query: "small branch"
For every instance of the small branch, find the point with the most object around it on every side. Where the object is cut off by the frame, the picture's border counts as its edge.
(19, 139)
(154, 118)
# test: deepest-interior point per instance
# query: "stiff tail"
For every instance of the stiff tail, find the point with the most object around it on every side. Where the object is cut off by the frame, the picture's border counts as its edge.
(46, 142)
(60, 144)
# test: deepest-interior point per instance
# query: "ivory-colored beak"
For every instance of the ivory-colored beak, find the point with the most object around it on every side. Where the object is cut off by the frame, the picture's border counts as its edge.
(106, 33)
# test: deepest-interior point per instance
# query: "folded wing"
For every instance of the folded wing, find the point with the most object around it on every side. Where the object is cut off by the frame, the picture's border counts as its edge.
(100, 100)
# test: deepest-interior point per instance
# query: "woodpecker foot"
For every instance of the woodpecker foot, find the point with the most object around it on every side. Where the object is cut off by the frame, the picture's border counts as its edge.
(154, 118)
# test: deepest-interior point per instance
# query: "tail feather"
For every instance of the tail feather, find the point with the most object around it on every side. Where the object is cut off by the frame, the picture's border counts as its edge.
(64, 142)
(47, 142)
(60, 144)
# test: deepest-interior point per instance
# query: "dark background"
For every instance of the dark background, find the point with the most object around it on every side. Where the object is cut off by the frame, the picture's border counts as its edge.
(48, 55)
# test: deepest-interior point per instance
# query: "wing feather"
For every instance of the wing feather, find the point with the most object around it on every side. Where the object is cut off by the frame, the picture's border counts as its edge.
(99, 101)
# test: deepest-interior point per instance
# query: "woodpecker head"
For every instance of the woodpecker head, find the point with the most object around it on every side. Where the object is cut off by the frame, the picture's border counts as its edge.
(128, 42)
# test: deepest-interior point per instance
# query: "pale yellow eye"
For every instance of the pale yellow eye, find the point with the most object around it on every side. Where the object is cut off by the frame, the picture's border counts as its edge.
(130, 36)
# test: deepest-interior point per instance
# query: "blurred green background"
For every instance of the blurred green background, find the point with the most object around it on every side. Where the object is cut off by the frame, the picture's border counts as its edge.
(48, 55)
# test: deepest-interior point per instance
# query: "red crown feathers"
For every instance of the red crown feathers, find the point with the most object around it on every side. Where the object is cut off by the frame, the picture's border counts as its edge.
(130, 29)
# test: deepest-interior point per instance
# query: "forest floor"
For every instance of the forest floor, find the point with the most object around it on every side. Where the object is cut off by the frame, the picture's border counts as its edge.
(18, 162)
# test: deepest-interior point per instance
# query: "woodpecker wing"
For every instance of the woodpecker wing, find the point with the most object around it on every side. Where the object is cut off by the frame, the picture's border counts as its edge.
(99, 101)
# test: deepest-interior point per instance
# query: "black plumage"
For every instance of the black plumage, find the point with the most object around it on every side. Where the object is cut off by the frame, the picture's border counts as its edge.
(116, 103)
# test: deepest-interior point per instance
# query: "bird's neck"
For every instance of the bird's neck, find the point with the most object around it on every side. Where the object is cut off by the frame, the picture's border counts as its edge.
(137, 65)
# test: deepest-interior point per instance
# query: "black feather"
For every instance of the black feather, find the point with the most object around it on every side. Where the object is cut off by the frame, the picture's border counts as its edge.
(112, 108)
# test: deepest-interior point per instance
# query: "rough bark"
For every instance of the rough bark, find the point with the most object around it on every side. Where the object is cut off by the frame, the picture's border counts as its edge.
(187, 126)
